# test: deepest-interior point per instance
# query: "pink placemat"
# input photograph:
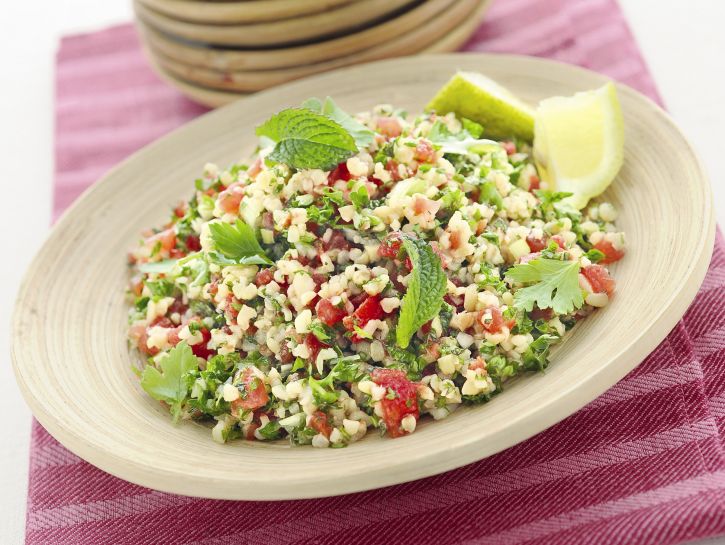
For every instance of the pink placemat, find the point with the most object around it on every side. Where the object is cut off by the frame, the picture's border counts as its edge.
(641, 464)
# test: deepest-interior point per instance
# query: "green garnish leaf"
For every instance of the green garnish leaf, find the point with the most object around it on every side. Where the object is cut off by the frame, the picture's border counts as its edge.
(555, 285)
(306, 139)
(362, 135)
(270, 431)
(170, 384)
(460, 143)
(426, 288)
(536, 357)
(488, 194)
(346, 369)
(238, 243)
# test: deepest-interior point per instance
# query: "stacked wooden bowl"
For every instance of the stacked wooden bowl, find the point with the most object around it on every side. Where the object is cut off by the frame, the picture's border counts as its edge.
(215, 51)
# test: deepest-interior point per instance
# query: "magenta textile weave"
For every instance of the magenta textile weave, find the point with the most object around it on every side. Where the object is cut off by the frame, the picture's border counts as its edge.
(642, 464)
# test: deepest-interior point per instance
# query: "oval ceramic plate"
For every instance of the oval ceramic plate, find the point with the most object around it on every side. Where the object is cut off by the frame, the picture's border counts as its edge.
(69, 345)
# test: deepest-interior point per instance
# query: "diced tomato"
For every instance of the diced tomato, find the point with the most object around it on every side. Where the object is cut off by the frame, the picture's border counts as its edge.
(264, 277)
(139, 333)
(392, 167)
(314, 345)
(174, 336)
(611, 254)
(251, 428)
(255, 168)
(161, 321)
(167, 239)
(254, 395)
(424, 152)
(337, 242)
(230, 198)
(559, 241)
(534, 182)
(404, 400)
(541, 314)
(193, 244)
(319, 423)
(535, 244)
(328, 313)
(178, 306)
(285, 354)
(478, 363)
(390, 245)
(180, 210)
(370, 309)
(495, 324)
(599, 279)
(200, 350)
(529, 257)
(268, 221)
(389, 126)
(509, 146)
(340, 172)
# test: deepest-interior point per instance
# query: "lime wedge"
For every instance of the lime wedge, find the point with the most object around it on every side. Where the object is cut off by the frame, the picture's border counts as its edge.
(579, 142)
(484, 101)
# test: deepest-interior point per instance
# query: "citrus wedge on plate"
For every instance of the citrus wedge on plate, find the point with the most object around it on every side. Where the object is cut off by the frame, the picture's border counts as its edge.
(476, 97)
(579, 142)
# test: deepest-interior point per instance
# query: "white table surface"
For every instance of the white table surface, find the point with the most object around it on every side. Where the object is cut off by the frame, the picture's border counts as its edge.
(683, 42)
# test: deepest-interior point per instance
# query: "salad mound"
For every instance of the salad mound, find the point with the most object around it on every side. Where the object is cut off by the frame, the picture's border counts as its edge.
(360, 273)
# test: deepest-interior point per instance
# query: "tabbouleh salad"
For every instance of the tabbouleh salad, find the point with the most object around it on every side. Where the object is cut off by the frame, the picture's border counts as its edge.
(359, 273)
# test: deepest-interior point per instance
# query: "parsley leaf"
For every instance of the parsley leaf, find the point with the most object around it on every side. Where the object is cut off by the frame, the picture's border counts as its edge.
(362, 135)
(459, 143)
(171, 384)
(555, 284)
(305, 139)
(426, 288)
(238, 243)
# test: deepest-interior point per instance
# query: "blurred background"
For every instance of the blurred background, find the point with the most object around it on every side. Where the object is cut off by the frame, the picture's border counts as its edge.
(681, 41)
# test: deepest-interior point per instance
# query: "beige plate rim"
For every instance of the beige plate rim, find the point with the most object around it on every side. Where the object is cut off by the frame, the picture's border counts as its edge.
(416, 463)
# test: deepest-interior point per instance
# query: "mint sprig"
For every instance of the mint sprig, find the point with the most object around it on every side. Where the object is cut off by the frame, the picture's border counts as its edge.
(238, 243)
(361, 134)
(306, 139)
(424, 294)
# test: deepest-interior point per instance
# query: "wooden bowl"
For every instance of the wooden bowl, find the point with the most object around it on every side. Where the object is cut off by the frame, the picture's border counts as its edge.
(315, 27)
(250, 11)
(69, 346)
(462, 17)
(221, 58)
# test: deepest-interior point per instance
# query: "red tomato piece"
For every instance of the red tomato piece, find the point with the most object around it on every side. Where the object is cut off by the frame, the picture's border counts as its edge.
(337, 241)
(390, 245)
(251, 428)
(255, 169)
(599, 279)
(495, 323)
(254, 395)
(389, 126)
(611, 254)
(193, 244)
(167, 238)
(424, 152)
(314, 345)
(200, 350)
(509, 146)
(328, 313)
(319, 423)
(535, 244)
(541, 314)
(370, 309)
(534, 182)
(230, 198)
(478, 363)
(264, 277)
(400, 401)
(340, 172)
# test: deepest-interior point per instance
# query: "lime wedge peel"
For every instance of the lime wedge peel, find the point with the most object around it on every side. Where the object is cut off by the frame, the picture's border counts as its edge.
(579, 142)
(476, 97)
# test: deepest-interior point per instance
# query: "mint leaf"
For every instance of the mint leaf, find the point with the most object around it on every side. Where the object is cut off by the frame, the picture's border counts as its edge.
(170, 384)
(237, 243)
(362, 135)
(426, 288)
(305, 139)
(555, 285)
